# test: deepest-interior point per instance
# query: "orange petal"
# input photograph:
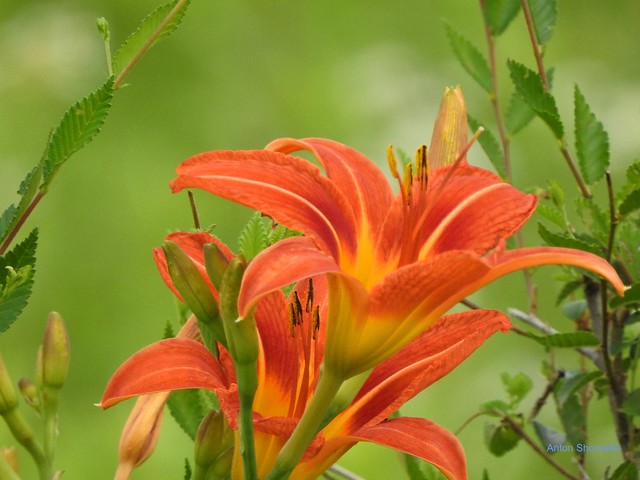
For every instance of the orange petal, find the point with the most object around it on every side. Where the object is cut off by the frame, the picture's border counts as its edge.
(422, 362)
(421, 438)
(172, 364)
(518, 259)
(289, 189)
(363, 184)
(285, 262)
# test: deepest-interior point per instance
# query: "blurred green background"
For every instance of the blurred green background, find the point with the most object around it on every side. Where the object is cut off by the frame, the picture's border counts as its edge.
(238, 74)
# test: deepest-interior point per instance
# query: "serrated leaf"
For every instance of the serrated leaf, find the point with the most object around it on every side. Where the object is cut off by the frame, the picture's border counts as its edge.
(572, 383)
(418, 469)
(499, 14)
(254, 237)
(495, 405)
(280, 232)
(517, 387)
(543, 14)
(79, 125)
(553, 214)
(567, 290)
(592, 141)
(17, 268)
(470, 58)
(632, 295)
(500, 438)
(568, 340)
(633, 173)
(548, 436)
(530, 87)
(573, 420)
(563, 240)
(518, 114)
(490, 145)
(187, 470)
(631, 404)
(186, 407)
(6, 220)
(158, 24)
(630, 203)
(625, 471)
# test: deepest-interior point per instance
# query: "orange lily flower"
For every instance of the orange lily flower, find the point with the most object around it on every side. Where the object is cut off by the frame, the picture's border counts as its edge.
(292, 337)
(395, 263)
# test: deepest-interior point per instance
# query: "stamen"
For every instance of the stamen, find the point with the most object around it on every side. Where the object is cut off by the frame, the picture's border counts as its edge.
(309, 304)
(316, 321)
(393, 166)
(422, 166)
(292, 319)
(407, 180)
(297, 308)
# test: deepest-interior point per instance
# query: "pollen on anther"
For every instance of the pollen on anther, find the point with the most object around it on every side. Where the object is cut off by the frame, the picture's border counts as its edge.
(407, 180)
(309, 304)
(316, 321)
(297, 308)
(292, 319)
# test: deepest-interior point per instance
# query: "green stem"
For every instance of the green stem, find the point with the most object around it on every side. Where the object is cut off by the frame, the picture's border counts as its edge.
(23, 433)
(308, 427)
(50, 432)
(247, 384)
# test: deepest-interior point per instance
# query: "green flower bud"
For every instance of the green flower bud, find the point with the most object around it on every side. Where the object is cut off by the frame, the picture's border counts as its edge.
(103, 28)
(222, 466)
(30, 393)
(195, 292)
(213, 438)
(216, 263)
(8, 397)
(55, 352)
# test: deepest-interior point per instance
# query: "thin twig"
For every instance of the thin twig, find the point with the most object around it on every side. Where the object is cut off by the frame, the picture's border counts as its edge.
(18, 225)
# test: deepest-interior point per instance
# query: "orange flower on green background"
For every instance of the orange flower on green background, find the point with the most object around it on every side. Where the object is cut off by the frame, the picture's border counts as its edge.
(292, 336)
(395, 263)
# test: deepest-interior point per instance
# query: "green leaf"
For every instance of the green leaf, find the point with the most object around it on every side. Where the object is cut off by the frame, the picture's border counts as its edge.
(79, 125)
(566, 241)
(573, 420)
(530, 87)
(418, 469)
(6, 220)
(517, 387)
(543, 14)
(632, 295)
(500, 438)
(633, 173)
(572, 383)
(280, 232)
(490, 145)
(494, 406)
(567, 290)
(568, 340)
(556, 192)
(159, 24)
(188, 410)
(187, 470)
(631, 404)
(625, 471)
(470, 58)
(17, 268)
(548, 436)
(518, 114)
(552, 213)
(254, 237)
(630, 203)
(592, 141)
(499, 14)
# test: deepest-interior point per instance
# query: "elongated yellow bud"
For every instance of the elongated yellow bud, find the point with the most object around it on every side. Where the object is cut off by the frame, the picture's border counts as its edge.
(55, 352)
(450, 130)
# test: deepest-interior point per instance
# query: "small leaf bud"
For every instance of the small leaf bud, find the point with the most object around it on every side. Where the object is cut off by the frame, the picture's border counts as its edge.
(29, 392)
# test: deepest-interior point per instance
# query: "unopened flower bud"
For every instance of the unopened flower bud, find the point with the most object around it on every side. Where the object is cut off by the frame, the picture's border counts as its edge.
(29, 392)
(55, 352)
(450, 130)
(216, 263)
(8, 397)
(213, 438)
(222, 466)
(194, 290)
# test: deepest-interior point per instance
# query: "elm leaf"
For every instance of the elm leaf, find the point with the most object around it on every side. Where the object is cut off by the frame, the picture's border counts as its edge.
(543, 14)
(499, 14)
(470, 58)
